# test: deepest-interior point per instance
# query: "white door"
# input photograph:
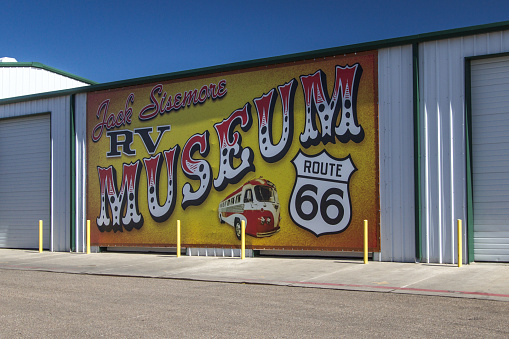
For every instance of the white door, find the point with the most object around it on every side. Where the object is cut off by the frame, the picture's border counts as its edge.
(24, 181)
(490, 158)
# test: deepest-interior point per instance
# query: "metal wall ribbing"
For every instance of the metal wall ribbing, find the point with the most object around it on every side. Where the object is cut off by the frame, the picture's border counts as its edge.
(397, 208)
(443, 184)
(17, 81)
(80, 175)
(442, 107)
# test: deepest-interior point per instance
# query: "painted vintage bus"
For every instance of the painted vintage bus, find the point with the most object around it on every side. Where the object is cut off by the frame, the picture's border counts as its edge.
(256, 202)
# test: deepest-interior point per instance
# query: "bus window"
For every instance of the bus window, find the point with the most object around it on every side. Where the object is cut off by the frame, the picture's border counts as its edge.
(249, 196)
(264, 194)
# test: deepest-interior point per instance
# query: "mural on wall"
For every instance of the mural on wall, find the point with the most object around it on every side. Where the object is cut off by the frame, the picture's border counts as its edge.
(291, 149)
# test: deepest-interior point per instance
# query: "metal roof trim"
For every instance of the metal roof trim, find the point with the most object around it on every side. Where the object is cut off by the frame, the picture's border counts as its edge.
(47, 68)
(347, 49)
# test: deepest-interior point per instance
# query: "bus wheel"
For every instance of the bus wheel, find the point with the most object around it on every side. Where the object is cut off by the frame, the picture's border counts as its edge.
(238, 229)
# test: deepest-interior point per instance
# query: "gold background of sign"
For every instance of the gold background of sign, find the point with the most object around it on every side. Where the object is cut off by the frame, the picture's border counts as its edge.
(200, 224)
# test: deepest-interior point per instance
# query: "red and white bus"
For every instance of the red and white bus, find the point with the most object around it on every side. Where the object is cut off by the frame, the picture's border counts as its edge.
(256, 202)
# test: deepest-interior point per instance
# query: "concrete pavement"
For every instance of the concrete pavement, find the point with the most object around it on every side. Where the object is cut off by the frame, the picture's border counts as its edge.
(479, 280)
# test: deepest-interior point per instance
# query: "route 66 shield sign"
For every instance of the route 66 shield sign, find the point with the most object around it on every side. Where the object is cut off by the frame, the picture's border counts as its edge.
(320, 200)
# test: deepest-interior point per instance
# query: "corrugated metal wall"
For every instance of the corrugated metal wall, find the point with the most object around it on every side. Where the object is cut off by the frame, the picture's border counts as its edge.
(442, 135)
(80, 177)
(18, 81)
(59, 108)
(442, 83)
(397, 208)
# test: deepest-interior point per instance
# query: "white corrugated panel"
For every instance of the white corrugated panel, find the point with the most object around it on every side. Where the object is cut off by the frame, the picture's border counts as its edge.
(18, 81)
(80, 177)
(397, 197)
(490, 158)
(442, 110)
(24, 181)
(59, 200)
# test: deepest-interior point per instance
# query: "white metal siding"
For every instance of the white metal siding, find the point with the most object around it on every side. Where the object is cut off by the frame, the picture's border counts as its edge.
(59, 109)
(397, 207)
(24, 181)
(80, 178)
(18, 81)
(443, 138)
(490, 158)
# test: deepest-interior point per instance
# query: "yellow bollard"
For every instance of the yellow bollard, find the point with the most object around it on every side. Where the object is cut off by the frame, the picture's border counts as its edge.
(40, 236)
(460, 244)
(178, 238)
(243, 241)
(365, 241)
(88, 236)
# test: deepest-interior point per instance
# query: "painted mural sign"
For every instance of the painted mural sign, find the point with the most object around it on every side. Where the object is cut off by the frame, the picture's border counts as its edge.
(291, 149)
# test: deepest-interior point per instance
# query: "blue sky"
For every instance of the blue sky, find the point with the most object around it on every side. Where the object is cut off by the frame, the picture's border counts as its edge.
(115, 40)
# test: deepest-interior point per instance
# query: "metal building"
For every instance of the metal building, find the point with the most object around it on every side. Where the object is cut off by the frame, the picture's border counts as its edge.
(443, 126)
(25, 78)
(35, 144)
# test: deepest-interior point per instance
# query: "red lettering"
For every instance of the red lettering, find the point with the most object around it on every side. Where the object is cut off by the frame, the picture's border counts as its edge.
(120, 119)
(203, 92)
(129, 110)
(98, 129)
(161, 102)
(222, 89)
(161, 105)
(119, 200)
(230, 147)
(190, 97)
(177, 103)
(150, 111)
(168, 106)
(211, 93)
(111, 121)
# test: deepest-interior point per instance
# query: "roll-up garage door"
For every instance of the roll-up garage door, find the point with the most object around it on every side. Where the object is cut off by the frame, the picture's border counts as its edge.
(24, 181)
(490, 158)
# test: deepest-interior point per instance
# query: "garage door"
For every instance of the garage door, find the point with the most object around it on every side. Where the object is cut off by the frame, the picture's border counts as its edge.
(24, 181)
(490, 158)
